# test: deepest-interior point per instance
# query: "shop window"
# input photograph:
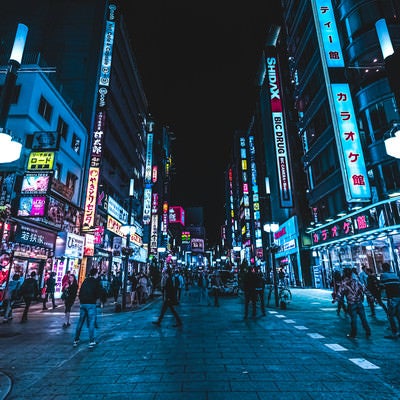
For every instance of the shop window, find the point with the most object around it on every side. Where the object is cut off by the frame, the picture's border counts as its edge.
(71, 181)
(57, 171)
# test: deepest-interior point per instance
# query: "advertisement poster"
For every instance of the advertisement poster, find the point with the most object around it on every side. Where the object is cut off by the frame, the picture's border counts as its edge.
(32, 206)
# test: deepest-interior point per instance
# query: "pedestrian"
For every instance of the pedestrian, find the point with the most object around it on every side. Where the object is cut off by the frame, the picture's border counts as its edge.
(352, 289)
(250, 293)
(142, 288)
(216, 286)
(65, 280)
(89, 292)
(115, 287)
(337, 281)
(203, 283)
(29, 291)
(134, 281)
(282, 277)
(169, 302)
(375, 290)
(10, 297)
(50, 287)
(180, 283)
(390, 281)
(68, 296)
(260, 289)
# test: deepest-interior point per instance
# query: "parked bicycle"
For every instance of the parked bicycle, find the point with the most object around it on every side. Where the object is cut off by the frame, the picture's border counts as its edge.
(284, 295)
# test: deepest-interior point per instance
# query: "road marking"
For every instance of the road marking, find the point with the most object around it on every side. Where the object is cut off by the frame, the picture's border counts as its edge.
(363, 363)
(273, 312)
(280, 316)
(315, 302)
(289, 321)
(328, 309)
(335, 347)
(315, 336)
(301, 327)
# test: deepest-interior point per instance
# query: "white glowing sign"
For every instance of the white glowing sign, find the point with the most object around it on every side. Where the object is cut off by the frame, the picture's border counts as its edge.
(278, 125)
(149, 159)
(329, 33)
(353, 158)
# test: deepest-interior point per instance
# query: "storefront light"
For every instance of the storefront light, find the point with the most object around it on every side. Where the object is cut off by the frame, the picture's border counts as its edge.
(392, 143)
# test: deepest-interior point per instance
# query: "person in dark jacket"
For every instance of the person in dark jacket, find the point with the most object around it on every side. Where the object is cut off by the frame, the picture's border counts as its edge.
(374, 289)
(89, 292)
(260, 289)
(69, 295)
(50, 289)
(250, 292)
(390, 281)
(29, 291)
(169, 301)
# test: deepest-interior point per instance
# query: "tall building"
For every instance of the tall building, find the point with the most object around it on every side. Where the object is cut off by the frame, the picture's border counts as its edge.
(88, 45)
(345, 108)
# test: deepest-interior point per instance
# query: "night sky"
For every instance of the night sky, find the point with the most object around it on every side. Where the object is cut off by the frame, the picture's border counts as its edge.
(198, 63)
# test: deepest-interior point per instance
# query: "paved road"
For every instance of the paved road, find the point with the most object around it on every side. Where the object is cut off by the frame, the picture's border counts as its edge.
(299, 353)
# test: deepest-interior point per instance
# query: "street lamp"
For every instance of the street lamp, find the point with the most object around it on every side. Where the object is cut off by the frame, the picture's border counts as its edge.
(10, 149)
(271, 228)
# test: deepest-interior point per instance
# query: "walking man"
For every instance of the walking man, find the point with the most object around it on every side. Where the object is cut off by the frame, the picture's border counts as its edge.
(50, 289)
(89, 292)
(260, 289)
(169, 301)
(354, 291)
(29, 291)
(391, 282)
(250, 293)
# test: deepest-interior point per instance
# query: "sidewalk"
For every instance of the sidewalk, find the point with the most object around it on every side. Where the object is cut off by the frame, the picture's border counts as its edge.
(298, 353)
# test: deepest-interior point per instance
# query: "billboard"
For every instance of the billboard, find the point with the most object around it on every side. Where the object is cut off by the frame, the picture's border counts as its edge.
(31, 206)
(176, 215)
(35, 184)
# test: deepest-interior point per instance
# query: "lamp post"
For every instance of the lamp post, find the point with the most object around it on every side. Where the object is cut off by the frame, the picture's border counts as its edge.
(271, 228)
(127, 230)
(10, 150)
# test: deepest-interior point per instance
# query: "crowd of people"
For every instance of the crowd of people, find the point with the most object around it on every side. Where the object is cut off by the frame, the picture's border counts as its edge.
(350, 291)
(351, 288)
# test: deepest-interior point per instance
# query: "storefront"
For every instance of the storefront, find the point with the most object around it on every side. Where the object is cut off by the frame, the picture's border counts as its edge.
(288, 255)
(369, 237)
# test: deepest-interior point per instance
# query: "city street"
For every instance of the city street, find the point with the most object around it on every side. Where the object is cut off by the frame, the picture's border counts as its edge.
(298, 353)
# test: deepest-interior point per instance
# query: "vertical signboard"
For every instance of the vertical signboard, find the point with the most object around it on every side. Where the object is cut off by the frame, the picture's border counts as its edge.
(104, 74)
(354, 172)
(279, 128)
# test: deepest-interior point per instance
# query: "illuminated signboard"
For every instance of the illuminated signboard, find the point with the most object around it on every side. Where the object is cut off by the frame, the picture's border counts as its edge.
(41, 161)
(353, 169)
(116, 211)
(154, 205)
(91, 196)
(164, 225)
(106, 59)
(35, 183)
(278, 124)
(354, 174)
(149, 159)
(154, 234)
(155, 174)
(176, 215)
(197, 245)
(327, 24)
(55, 211)
(114, 226)
(74, 245)
(45, 141)
(32, 206)
(89, 245)
(185, 237)
(147, 205)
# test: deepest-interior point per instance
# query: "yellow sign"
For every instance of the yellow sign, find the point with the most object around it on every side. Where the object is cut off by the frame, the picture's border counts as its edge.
(91, 197)
(41, 161)
(114, 226)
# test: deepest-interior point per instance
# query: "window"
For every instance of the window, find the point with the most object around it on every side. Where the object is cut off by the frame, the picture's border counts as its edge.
(57, 171)
(62, 128)
(76, 143)
(71, 181)
(45, 109)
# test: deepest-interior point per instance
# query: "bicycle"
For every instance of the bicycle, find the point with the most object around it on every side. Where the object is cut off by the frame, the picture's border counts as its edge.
(284, 295)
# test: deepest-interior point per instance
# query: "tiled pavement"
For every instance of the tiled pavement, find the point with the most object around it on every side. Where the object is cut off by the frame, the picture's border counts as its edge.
(298, 353)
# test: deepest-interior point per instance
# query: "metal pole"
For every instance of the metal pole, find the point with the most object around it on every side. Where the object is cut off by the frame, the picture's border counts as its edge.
(274, 271)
